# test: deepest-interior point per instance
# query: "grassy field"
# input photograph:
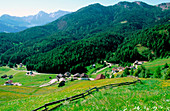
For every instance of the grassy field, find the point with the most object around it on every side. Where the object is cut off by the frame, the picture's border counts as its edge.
(25, 80)
(27, 97)
(153, 65)
(108, 70)
(142, 49)
(152, 95)
(91, 70)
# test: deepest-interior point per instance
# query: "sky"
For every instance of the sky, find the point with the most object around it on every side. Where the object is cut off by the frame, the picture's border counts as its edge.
(32, 7)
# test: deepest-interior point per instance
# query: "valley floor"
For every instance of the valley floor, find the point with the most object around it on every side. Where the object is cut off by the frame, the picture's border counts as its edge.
(151, 94)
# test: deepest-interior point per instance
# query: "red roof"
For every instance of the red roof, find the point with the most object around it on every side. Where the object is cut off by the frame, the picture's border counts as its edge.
(100, 76)
(9, 81)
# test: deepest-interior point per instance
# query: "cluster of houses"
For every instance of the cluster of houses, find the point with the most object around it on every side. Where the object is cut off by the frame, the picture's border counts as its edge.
(68, 76)
(135, 65)
(9, 82)
(76, 76)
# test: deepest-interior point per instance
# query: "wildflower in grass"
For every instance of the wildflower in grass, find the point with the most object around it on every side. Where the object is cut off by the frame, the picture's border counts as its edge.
(138, 108)
(147, 109)
(125, 109)
(155, 108)
(160, 107)
(83, 101)
(144, 107)
(66, 103)
(135, 107)
(167, 100)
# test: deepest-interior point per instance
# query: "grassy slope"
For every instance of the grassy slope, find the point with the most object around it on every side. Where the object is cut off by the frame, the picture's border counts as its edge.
(153, 65)
(28, 98)
(93, 70)
(25, 80)
(141, 49)
(108, 70)
(151, 95)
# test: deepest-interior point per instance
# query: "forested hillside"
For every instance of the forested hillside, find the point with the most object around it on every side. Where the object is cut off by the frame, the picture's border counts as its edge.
(75, 55)
(124, 18)
(156, 39)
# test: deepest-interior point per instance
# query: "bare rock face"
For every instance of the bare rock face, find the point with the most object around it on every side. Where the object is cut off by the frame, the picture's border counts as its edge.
(164, 6)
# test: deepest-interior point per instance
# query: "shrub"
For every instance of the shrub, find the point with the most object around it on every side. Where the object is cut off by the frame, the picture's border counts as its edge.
(4, 76)
(131, 71)
(118, 75)
(112, 76)
(126, 72)
(157, 74)
(106, 75)
(11, 65)
(16, 65)
(167, 74)
(11, 76)
(142, 74)
(147, 73)
(166, 65)
(136, 73)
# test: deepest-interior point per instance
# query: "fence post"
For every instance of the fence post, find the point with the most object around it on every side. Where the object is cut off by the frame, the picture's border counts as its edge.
(97, 89)
(83, 95)
(46, 109)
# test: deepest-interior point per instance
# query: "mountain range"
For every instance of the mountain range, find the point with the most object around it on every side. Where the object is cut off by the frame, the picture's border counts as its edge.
(15, 24)
(67, 44)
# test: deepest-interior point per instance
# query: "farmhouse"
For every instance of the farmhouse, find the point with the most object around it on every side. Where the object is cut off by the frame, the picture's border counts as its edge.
(121, 68)
(136, 63)
(115, 70)
(84, 75)
(67, 74)
(60, 76)
(9, 82)
(76, 75)
(100, 76)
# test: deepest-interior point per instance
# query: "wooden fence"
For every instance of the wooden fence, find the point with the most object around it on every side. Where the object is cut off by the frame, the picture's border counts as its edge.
(82, 95)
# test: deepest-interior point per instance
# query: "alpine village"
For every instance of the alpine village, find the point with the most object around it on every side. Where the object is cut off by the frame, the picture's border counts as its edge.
(98, 58)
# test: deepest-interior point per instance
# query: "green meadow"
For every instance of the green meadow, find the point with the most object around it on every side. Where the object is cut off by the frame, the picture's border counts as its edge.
(153, 65)
(29, 96)
(151, 94)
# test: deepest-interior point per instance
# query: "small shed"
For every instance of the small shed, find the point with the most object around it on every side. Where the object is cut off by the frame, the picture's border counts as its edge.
(84, 75)
(100, 76)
